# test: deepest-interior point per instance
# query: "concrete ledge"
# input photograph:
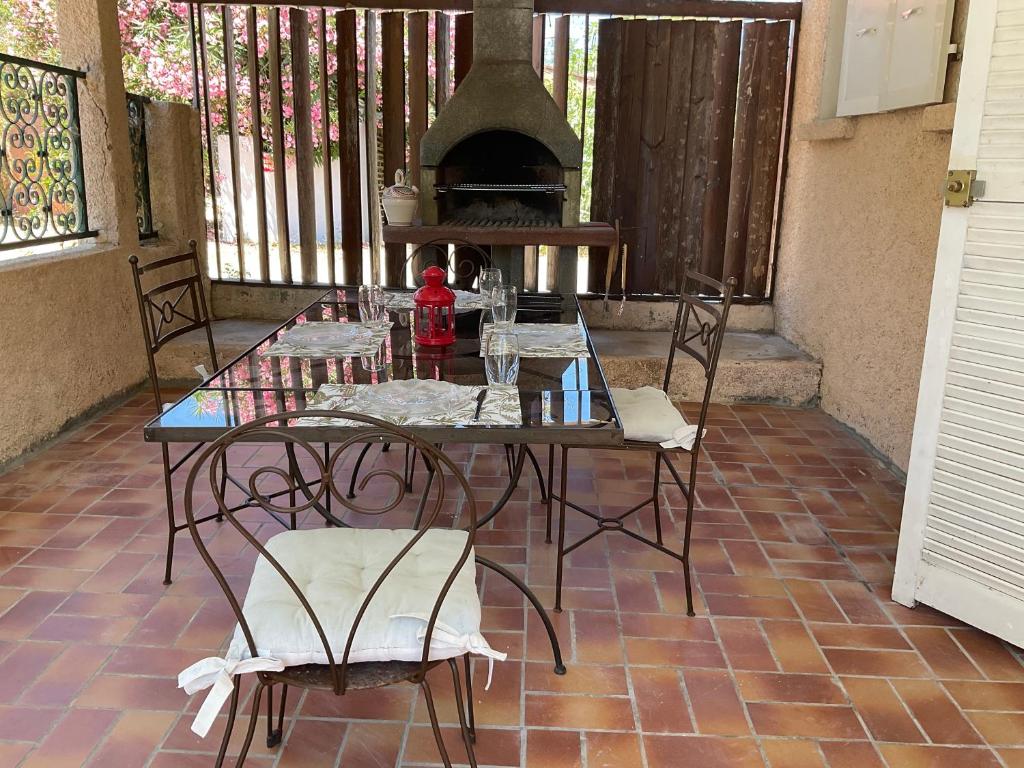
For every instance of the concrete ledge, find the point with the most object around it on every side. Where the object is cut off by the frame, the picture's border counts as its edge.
(176, 362)
(660, 315)
(753, 367)
(279, 303)
(825, 130)
(938, 118)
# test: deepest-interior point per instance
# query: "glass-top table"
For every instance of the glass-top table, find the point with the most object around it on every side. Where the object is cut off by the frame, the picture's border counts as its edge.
(563, 400)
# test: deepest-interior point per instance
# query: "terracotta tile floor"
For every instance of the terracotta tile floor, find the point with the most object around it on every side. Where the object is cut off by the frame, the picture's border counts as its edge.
(797, 659)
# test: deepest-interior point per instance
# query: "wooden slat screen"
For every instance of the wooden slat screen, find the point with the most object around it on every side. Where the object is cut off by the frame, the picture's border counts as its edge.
(682, 121)
(689, 168)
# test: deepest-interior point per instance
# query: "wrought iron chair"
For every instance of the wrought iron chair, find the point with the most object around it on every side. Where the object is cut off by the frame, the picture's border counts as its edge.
(169, 308)
(339, 608)
(698, 331)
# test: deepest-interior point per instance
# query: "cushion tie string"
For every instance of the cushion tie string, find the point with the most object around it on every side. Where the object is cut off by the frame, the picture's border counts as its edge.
(217, 674)
(446, 638)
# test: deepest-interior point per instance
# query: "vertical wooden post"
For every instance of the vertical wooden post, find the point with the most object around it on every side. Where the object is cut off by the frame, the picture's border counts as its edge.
(606, 118)
(231, 93)
(560, 76)
(442, 55)
(463, 46)
(697, 146)
(325, 146)
(370, 110)
(256, 108)
(725, 71)
(765, 161)
(393, 97)
(303, 120)
(348, 148)
(742, 155)
(284, 246)
(417, 91)
(539, 30)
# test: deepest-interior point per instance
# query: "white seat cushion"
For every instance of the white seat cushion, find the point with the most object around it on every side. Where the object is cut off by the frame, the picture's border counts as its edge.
(648, 416)
(335, 569)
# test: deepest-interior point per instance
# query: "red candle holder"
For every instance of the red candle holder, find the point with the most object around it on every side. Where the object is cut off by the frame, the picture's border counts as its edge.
(434, 316)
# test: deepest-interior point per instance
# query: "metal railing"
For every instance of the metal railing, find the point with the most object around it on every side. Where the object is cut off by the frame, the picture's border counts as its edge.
(42, 185)
(140, 164)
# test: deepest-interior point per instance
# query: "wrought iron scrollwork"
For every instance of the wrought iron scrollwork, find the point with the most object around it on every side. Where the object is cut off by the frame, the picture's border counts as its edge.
(42, 187)
(140, 164)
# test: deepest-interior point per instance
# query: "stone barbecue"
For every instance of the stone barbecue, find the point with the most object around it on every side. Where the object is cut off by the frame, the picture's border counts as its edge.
(501, 152)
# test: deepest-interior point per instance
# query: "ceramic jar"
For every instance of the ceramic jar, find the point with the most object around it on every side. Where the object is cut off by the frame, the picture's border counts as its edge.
(400, 202)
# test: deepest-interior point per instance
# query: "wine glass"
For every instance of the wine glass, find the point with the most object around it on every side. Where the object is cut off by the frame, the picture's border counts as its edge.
(503, 306)
(501, 358)
(371, 305)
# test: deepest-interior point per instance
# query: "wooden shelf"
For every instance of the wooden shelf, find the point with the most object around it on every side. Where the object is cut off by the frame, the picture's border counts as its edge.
(593, 234)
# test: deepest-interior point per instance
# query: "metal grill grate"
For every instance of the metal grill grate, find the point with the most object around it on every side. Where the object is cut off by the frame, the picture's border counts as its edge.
(476, 187)
(470, 221)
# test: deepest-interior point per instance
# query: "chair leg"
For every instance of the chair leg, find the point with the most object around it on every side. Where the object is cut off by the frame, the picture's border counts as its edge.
(657, 500)
(688, 494)
(274, 734)
(232, 712)
(253, 717)
(561, 529)
(467, 737)
(223, 483)
(434, 724)
(169, 493)
(355, 470)
(469, 696)
(551, 480)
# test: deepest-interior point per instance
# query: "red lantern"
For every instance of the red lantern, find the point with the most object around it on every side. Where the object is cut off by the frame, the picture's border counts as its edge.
(435, 310)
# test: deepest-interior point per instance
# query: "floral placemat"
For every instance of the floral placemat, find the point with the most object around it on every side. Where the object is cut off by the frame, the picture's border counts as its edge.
(417, 402)
(545, 339)
(400, 300)
(328, 340)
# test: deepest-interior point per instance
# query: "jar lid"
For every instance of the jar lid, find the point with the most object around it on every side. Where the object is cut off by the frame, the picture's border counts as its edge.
(401, 189)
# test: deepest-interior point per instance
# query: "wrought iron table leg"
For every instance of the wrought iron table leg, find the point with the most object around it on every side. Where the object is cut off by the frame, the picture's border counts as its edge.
(544, 490)
(556, 649)
(551, 493)
(561, 528)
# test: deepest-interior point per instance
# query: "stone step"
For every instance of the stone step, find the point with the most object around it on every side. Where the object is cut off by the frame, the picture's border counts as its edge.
(176, 361)
(753, 367)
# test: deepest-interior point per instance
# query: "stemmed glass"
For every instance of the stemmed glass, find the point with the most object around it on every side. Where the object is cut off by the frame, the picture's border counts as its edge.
(501, 358)
(371, 305)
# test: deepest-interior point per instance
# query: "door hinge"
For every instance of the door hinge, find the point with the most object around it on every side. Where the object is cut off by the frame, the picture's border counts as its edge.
(959, 188)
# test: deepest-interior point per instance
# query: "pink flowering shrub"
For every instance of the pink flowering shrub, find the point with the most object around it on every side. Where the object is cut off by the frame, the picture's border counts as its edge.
(157, 56)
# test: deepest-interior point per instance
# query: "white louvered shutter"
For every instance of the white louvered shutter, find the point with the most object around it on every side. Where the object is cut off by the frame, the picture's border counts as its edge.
(962, 543)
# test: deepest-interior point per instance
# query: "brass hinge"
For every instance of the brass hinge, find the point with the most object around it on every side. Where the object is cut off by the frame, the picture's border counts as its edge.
(958, 190)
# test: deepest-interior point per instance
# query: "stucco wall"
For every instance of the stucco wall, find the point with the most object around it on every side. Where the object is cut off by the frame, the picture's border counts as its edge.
(71, 337)
(859, 229)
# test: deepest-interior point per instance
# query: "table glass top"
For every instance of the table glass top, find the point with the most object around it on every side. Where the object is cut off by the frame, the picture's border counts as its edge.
(557, 394)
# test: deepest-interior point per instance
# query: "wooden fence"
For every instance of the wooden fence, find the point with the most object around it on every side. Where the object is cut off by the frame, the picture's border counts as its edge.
(302, 128)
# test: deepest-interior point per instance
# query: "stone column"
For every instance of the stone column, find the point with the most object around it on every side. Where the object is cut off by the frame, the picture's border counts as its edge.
(90, 41)
(176, 172)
